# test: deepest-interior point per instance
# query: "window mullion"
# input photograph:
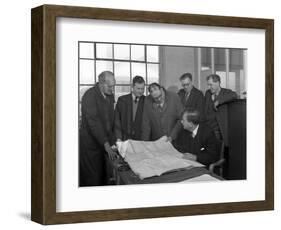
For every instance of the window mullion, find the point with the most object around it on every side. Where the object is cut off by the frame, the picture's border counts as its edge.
(227, 67)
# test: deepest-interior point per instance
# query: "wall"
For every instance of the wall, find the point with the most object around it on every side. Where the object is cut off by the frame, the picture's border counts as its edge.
(174, 62)
(15, 114)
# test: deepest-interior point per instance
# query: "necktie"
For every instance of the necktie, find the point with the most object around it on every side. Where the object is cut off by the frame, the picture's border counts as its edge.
(186, 96)
(214, 97)
(136, 100)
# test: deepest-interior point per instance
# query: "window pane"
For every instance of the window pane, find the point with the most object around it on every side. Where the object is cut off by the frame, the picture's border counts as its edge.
(236, 67)
(87, 72)
(223, 78)
(122, 52)
(121, 90)
(146, 90)
(232, 81)
(220, 66)
(219, 59)
(152, 53)
(242, 85)
(122, 72)
(104, 50)
(236, 59)
(206, 67)
(138, 69)
(83, 89)
(152, 73)
(103, 66)
(206, 59)
(86, 50)
(137, 52)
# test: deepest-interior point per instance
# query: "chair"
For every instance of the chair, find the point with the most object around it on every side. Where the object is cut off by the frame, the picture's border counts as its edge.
(218, 164)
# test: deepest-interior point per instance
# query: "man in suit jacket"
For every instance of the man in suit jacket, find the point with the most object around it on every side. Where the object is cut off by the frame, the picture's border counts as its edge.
(96, 132)
(190, 96)
(200, 144)
(128, 112)
(216, 99)
(161, 115)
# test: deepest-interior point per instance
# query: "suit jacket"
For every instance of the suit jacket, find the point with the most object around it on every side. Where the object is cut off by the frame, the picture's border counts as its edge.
(124, 126)
(96, 129)
(195, 100)
(204, 145)
(157, 123)
(225, 96)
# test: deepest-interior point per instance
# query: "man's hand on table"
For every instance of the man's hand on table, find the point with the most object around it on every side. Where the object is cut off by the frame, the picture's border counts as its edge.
(189, 156)
(165, 138)
(169, 139)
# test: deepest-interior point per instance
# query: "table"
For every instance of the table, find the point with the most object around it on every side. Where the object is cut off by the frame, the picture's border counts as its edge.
(124, 175)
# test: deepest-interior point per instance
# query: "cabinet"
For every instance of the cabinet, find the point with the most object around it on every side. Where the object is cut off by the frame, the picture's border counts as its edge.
(237, 135)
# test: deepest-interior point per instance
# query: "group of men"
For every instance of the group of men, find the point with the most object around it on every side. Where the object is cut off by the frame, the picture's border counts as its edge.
(195, 124)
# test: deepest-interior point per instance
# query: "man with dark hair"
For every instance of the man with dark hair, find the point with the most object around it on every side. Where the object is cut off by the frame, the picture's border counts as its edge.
(216, 99)
(161, 116)
(190, 96)
(128, 112)
(200, 144)
(96, 132)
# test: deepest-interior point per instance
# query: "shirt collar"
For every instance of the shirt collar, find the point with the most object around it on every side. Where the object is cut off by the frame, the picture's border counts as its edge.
(188, 93)
(164, 96)
(101, 92)
(217, 93)
(194, 132)
(134, 97)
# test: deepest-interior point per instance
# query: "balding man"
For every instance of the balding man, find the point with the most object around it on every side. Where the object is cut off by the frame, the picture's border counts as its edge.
(200, 142)
(96, 131)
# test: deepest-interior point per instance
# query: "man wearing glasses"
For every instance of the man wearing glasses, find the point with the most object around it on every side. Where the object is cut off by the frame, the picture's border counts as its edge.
(190, 96)
(200, 142)
(161, 114)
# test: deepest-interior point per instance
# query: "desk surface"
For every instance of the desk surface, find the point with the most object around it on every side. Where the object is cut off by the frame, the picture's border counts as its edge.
(129, 177)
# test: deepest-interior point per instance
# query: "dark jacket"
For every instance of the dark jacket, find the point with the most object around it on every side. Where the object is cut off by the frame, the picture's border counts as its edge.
(204, 145)
(195, 100)
(124, 126)
(96, 129)
(159, 122)
(220, 116)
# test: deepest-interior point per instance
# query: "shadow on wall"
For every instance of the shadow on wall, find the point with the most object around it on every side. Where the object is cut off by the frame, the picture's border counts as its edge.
(173, 88)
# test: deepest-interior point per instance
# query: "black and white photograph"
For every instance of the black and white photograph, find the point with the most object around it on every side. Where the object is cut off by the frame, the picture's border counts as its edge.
(142, 114)
(134, 115)
(151, 113)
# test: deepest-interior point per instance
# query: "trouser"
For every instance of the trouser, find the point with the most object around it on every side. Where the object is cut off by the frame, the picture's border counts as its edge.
(92, 168)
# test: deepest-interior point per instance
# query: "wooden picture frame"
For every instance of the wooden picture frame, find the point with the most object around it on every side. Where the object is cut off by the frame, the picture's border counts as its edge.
(43, 207)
